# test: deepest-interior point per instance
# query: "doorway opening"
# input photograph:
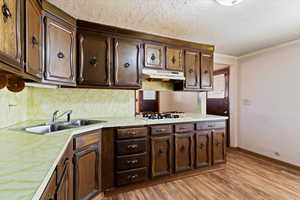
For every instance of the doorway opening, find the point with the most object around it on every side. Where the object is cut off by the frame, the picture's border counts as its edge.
(218, 99)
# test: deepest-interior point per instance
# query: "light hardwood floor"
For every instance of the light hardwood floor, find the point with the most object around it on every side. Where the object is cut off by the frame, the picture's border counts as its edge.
(245, 177)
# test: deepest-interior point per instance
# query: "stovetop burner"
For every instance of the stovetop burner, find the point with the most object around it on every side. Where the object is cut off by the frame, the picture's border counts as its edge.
(162, 115)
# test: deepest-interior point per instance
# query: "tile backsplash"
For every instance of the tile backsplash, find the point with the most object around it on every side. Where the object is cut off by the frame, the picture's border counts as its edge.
(39, 104)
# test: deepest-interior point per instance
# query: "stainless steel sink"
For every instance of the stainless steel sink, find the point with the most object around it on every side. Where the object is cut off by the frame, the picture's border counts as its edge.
(59, 126)
(84, 122)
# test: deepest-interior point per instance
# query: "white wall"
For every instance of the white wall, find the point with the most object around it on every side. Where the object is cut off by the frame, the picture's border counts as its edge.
(269, 96)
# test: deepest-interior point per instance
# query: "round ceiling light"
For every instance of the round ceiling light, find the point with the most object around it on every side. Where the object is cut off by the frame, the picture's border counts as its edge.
(229, 2)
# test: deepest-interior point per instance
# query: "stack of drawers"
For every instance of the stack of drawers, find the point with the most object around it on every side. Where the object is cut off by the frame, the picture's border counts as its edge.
(131, 155)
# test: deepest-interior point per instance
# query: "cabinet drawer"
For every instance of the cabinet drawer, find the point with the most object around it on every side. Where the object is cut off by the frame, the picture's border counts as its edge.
(182, 128)
(131, 162)
(128, 133)
(86, 140)
(131, 176)
(164, 129)
(210, 125)
(131, 146)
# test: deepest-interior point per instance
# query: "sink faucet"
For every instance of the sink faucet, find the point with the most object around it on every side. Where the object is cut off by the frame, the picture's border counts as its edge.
(55, 117)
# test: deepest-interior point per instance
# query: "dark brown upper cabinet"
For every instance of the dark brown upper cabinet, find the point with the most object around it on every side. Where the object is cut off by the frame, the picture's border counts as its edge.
(154, 56)
(127, 67)
(207, 67)
(174, 59)
(94, 58)
(12, 33)
(59, 66)
(192, 68)
(33, 38)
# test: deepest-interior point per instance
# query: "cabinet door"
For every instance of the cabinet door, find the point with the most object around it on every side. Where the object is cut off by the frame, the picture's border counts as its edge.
(59, 63)
(154, 56)
(33, 39)
(184, 152)
(11, 33)
(94, 59)
(203, 149)
(207, 66)
(127, 63)
(192, 68)
(50, 190)
(174, 59)
(87, 172)
(65, 187)
(219, 146)
(161, 156)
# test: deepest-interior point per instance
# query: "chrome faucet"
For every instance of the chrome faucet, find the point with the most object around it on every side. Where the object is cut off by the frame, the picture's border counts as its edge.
(55, 117)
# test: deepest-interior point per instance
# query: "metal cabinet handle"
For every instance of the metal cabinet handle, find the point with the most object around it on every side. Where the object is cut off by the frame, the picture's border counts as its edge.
(132, 161)
(132, 177)
(161, 130)
(191, 71)
(132, 146)
(93, 61)
(131, 133)
(201, 146)
(126, 65)
(34, 40)
(6, 12)
(61, 55)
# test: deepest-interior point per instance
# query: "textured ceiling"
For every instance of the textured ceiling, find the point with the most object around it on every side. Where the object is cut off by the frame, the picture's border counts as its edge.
(238, 30)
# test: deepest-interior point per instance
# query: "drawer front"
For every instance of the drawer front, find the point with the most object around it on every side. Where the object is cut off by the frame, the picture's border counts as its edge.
(131, 162)
(128, 133)
(86, 140)
(210, 125)
(131, 146)
(131, 176)
(163, 129)
(183, 128)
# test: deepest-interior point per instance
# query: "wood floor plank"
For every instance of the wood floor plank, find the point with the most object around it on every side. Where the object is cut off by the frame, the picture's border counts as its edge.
(245, 177)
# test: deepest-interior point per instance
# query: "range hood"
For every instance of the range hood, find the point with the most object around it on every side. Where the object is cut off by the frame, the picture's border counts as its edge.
(163, 74)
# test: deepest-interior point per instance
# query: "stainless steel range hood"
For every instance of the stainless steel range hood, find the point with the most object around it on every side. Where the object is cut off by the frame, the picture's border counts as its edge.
(163, 74)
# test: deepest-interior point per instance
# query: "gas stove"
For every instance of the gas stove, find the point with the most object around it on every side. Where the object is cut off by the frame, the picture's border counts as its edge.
(161, 116)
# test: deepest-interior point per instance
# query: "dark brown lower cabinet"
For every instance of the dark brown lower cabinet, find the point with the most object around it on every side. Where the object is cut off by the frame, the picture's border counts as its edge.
(49, 192)
(184, 151)
(161, 156)
(218, 146)
(87, 172)
(202, 149)
(65, 187)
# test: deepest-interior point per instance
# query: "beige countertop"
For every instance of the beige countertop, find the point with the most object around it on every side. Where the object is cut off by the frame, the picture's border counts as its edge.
(27, 160)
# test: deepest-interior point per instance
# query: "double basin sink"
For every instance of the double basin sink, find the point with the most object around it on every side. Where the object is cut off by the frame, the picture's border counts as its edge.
(44, 129)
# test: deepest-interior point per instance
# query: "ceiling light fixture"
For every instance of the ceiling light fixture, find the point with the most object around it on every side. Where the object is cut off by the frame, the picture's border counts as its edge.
(229, 2)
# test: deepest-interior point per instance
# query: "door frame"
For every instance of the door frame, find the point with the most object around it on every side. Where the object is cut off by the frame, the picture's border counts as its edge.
(225, 71)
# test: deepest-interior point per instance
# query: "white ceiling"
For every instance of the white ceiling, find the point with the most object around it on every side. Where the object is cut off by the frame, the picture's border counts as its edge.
(239, 30)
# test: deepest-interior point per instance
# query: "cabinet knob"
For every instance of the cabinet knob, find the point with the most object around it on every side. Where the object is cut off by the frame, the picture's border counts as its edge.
(201, 146)
(34, 40)
(160, 152)
(217, 143)
(132, 177)
(132, 133)
(153, 57)
(206, 72)
(173, 60)
(182, 148)
(6, 12)
(61, 55)
(93, 61)
(191, 71)
(126, 65)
